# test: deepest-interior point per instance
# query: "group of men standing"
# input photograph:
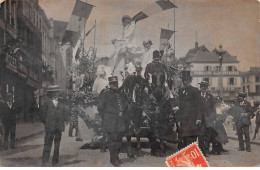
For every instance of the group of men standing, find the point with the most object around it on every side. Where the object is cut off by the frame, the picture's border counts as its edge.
(199, 119)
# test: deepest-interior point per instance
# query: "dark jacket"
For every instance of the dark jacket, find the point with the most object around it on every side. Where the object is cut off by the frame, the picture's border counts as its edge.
(241, 112)
(152, 68)
(190, 110)
(8, 115)
(110, 104)
(209, 109)
(53, 117)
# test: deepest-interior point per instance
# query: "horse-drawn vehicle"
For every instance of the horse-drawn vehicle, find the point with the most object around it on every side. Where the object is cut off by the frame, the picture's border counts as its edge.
(152, 108)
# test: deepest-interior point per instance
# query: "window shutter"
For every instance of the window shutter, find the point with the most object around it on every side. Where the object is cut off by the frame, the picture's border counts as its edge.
(235, 81)
(219, 81)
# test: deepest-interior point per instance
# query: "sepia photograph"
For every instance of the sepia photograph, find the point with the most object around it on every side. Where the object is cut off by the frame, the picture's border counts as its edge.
(129, 83)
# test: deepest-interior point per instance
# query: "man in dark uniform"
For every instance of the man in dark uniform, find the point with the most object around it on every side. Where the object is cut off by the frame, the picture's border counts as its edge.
(242, 114)
(112, 106)
(190, 112)
(9, 121)
(155, 67)
(209, 117)
(54, 115)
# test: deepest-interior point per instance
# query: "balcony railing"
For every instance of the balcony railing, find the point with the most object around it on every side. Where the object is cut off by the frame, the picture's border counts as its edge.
(18, 67)
(214, 73)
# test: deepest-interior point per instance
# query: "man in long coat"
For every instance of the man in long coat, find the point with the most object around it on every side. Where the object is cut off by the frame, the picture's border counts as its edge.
(9, 121)
(242, 113)
(112, 106)
(209, 117)
(190, 111)
(54, 115)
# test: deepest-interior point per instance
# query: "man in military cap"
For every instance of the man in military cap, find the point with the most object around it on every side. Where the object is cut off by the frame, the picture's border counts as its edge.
(53, 115)
(190, 112)
(112, 106)
(209, 117)
(155, 66)
(242, 112)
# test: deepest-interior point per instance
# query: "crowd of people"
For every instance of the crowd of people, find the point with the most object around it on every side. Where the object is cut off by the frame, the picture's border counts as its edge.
(200, 116)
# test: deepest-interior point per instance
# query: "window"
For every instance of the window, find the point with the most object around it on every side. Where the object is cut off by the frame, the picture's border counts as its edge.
(244, 89)
(257, 88)
(207, 68)
(217, 68)
(230, 68)
(231, 81)
(244, 80)
(247, 79)
(257, 78)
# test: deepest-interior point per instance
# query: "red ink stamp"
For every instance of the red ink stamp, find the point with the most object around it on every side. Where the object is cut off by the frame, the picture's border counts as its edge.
(191, 156)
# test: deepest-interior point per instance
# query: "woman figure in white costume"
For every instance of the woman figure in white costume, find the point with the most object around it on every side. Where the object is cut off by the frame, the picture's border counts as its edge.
(123, 46)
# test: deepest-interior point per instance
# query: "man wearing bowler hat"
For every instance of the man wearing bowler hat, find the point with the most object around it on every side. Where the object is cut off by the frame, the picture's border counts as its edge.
(209, 117)
(190, 112)
(53, 116)
(112, 106)
(242, 112)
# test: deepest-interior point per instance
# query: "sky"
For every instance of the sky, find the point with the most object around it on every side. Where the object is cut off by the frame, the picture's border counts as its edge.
(233, 23)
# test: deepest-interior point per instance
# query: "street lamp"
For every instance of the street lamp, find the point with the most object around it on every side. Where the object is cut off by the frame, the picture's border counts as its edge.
(221, 53)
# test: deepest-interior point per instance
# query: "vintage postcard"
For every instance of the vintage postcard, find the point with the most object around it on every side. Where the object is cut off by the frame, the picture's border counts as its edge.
(129, 83)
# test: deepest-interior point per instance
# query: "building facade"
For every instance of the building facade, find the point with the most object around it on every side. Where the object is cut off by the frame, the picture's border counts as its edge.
(205, 65)
(251, 83)
(20, 55)
(60, 65)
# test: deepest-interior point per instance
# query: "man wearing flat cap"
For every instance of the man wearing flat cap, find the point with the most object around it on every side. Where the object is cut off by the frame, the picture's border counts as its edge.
(53, 115)
(112, 105)
(209, 117)
(190, 112)
(242, 112)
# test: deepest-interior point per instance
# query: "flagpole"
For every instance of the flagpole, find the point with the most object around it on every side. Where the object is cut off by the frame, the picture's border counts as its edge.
(95, 35)
(84, 36)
